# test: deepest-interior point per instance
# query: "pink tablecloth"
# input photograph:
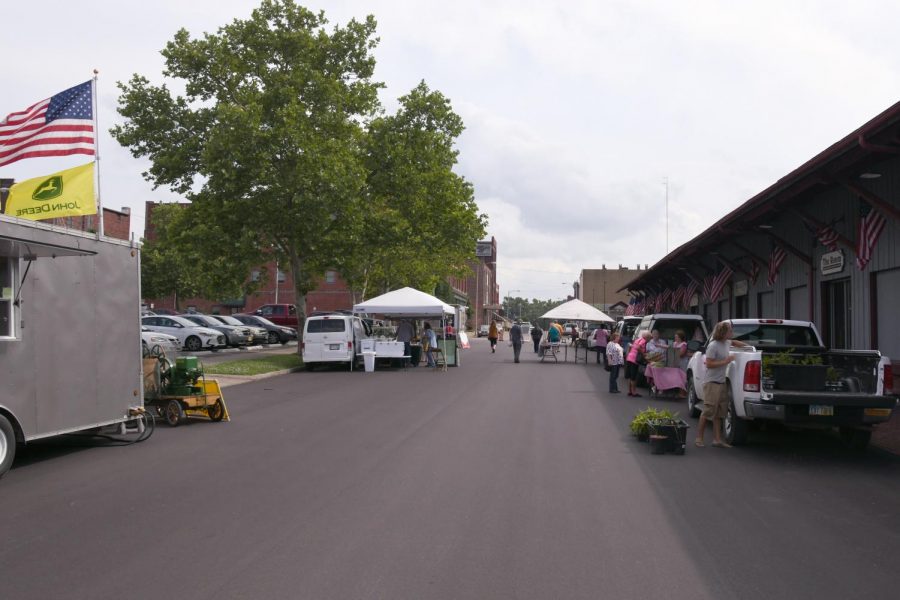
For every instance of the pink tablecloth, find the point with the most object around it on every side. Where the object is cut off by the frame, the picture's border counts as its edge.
(666, 378)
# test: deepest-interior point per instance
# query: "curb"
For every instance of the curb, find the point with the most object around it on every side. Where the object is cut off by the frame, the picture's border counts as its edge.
(229, 380)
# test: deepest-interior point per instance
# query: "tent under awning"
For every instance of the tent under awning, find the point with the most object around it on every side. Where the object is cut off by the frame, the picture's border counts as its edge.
(576, 310)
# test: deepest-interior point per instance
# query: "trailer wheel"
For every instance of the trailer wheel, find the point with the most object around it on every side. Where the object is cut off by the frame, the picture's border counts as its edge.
(7, 445)
(216, 411)
(174, 413)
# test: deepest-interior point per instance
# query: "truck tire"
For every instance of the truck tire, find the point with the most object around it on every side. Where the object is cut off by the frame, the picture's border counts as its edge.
(736, 428)
(856, 439)
(7, 445)
(693, 407)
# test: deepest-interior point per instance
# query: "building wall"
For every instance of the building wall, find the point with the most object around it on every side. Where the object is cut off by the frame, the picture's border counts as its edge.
(599, 287)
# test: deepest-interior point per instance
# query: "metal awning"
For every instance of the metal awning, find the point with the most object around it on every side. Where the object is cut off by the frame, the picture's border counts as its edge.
(29, 249)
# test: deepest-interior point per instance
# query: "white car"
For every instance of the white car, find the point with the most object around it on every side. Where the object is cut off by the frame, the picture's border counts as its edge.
(150, 340)
(191, 336)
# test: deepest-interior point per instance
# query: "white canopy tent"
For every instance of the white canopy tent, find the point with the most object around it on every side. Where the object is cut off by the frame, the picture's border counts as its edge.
(410, 303)
(576, 310)
(405, 302)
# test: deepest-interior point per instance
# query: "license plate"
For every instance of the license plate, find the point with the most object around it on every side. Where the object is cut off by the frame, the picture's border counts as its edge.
(822, 410)
(334, 346)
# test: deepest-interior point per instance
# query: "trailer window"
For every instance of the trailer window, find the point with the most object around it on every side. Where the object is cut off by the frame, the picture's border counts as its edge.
(7, 295)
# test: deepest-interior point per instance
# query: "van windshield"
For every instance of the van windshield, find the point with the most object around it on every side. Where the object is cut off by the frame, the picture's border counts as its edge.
(326, 325)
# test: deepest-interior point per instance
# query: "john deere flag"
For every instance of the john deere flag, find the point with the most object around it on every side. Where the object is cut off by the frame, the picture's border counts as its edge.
(68, 193)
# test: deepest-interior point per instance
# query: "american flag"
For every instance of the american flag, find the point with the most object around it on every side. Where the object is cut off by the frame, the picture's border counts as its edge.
(629, 310)
(707, 287)
(828, 237)
(58, 126)
(663, 300)
(719, 282)
(689, 292)
(676, 297)
(778, 256)
(870, 227)
(754, 271)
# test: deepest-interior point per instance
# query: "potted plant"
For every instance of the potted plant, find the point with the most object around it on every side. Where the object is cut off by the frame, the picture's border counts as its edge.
(640, 424)
(673, 430)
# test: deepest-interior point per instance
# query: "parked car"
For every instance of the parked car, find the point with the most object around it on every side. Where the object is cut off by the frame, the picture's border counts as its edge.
(275, 333)
(234, 335)
(191, 336)
(280, 314)
(165, 311)
(484, 330)
(259, 334)
(150, 340)
(692, 325)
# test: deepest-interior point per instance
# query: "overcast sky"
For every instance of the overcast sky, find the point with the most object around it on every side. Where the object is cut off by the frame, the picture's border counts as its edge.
(576, 112)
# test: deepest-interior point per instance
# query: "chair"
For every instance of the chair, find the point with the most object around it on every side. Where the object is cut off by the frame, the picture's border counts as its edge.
(440, 360)
(550, 349)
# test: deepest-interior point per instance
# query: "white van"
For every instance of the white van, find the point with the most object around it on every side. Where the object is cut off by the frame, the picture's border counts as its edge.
(333, 338)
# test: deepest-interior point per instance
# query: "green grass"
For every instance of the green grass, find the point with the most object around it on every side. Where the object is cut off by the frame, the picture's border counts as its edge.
(254, 366)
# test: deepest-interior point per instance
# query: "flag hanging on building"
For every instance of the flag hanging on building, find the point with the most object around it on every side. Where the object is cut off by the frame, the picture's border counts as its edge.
(719, 282)
(58, 126)
(67, 193)
(754, 271)
(629, 310)
(664, 299)
(828, 237)
(689, 292)
(870, 227)
(707, 287)
(676, 297)
(778, 256)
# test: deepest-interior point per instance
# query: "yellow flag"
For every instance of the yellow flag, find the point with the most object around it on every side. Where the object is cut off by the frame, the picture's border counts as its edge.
(67, 193)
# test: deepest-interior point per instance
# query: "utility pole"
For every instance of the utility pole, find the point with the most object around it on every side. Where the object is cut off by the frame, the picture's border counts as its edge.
(667, 214)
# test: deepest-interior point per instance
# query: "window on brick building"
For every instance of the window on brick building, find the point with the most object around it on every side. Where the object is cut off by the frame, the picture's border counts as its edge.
(330, 276)
(282, 277)
(254, 275)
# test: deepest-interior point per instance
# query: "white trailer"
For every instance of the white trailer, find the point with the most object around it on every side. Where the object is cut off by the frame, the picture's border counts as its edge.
(70, 342)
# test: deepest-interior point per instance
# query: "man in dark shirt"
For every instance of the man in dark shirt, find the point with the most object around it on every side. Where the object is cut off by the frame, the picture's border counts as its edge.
(515, 336)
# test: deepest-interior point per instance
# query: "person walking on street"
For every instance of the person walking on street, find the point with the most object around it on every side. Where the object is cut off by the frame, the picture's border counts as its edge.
(536, 335)
(515, 337)
(614, 359)
(600, 339)
(492, 336)
(715, 390)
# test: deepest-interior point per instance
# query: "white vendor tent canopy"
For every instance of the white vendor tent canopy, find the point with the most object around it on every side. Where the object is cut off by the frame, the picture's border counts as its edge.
(405, 302)
(576, 310)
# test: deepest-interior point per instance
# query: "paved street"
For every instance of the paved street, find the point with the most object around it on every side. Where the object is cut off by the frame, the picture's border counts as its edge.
(492, 480)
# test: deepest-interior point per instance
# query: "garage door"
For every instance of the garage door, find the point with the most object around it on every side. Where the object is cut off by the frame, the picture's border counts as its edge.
(798, 304)
(887, 289)
(766, 303)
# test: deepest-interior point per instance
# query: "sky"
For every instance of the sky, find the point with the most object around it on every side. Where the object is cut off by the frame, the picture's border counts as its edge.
(597, 132)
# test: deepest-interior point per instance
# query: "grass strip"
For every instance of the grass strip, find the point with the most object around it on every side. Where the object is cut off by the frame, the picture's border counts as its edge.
(254, 366)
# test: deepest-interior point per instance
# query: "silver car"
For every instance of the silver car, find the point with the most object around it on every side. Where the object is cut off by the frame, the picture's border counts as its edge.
(260, 335)
(192, 337)
(234, 335)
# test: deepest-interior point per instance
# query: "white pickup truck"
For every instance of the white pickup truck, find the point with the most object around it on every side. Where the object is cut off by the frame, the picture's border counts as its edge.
(786, 374)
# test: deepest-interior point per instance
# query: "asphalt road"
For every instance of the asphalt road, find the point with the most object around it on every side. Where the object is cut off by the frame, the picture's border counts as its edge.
(492, 480)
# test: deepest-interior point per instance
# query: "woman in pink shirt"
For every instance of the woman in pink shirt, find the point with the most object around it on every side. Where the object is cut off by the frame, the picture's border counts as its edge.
(638, 347)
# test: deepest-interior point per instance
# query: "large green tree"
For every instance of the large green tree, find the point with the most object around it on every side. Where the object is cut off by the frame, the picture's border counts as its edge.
(421, 218)
(266, 139)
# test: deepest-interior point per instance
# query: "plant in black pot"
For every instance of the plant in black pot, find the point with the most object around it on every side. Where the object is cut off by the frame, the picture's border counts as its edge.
(673, 430)
(640, 424)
